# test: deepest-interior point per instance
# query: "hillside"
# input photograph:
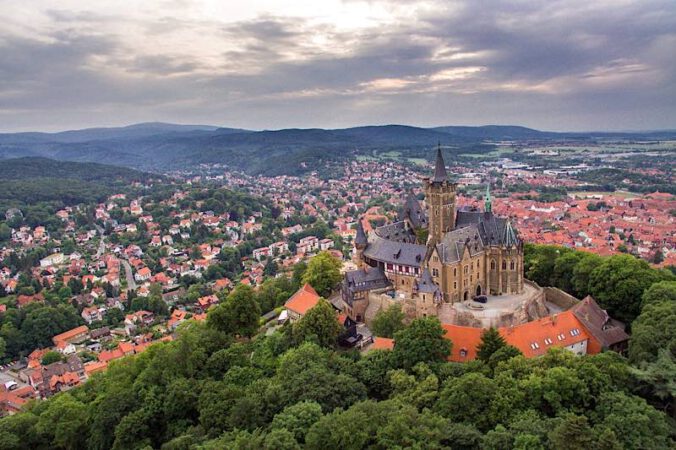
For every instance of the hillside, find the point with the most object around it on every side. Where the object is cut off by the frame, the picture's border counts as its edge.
(157, 147)
(40, 186)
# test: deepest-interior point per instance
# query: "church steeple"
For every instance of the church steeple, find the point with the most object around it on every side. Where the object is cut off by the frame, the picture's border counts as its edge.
(440, 174)
(488, 206)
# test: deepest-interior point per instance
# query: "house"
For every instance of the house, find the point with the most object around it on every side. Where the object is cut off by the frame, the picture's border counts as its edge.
(177, 317)
(143, 274)
(301, 302)
(326, 244)
(52, 260)
(138, 318)
(605, 332)
(92, 314)
(72, 336)
(207, 301)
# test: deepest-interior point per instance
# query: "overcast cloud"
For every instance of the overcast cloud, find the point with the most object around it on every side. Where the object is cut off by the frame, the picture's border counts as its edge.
(556, 65)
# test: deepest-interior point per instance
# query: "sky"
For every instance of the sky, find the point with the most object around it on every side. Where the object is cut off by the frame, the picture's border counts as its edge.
(575, 65)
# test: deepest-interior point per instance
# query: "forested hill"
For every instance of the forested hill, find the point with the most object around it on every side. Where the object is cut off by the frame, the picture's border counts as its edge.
(159, 147)
(38, 187)
(37, 167)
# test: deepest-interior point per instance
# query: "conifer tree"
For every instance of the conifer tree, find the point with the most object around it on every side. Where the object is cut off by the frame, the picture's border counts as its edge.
(491, 341)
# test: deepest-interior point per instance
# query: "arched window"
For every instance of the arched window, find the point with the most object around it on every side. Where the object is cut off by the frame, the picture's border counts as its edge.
(455, 272)
(504, 265)
(492, 264)
(511, 265)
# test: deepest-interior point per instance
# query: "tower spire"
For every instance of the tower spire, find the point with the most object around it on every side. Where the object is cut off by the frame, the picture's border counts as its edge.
(440, 174)
(488, 206)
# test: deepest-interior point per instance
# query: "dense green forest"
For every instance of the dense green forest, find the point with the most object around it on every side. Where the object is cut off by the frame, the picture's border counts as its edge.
(221, 384)
(39, 187)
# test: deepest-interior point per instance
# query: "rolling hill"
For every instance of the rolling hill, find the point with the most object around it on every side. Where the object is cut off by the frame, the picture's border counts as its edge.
(160, 146)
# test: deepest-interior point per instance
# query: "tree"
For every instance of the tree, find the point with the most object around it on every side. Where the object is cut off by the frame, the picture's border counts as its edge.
(660, 379)
(422, 341)
(50, 357)
(323, 273)
(635, 423)
(239, 314)
(320, 325)
(563, 271)
(582, 272)
(539, 261)
(572, 433)
(664, 291)
(618, 284)
(388, 321)
(64, 422)
(298, 273)
(468, 400)
(653, 330)
(491, 342)
(298, 419)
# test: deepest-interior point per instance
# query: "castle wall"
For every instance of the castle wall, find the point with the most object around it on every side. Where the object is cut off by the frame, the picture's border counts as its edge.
(559, 298)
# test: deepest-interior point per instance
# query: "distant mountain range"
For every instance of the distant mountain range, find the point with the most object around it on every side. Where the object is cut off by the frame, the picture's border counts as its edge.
(161, 146)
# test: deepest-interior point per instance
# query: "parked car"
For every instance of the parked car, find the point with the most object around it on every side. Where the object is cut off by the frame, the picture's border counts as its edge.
(480, 298)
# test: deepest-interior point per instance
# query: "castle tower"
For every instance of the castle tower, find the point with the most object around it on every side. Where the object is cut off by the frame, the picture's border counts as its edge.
(360, 244)
(440, 199)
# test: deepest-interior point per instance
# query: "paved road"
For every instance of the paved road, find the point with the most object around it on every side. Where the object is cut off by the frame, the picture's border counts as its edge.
(102, 243)
(131, 283)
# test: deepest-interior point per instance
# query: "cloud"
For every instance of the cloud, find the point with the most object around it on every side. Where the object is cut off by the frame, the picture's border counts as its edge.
(556, 65)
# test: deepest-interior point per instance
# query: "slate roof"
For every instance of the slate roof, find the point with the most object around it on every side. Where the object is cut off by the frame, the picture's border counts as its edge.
(426, 283)
(413, 211)
(598, 323)
(440, 174)
(492, 229)
(397, 232)
(363, 280)
(453, 244)
(361, 238)
(394, 252)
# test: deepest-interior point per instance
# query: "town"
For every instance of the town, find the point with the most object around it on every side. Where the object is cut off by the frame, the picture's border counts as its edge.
(127, 272)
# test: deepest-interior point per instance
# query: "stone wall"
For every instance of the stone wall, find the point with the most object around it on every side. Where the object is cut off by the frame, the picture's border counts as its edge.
(559, 298)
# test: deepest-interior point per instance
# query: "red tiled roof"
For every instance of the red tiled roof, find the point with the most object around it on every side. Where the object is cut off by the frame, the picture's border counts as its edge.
(465, 341)
(533, 338)
(303, 300)
(381, 343)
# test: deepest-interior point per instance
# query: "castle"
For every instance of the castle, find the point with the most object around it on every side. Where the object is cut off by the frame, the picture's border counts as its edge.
(436, 254)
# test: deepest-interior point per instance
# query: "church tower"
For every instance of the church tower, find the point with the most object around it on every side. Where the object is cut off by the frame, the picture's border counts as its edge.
(440, 199)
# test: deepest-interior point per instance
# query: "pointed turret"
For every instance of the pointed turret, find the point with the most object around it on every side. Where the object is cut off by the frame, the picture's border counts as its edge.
(360, 240)
(488, 206)
(440, 174)
(510, 239)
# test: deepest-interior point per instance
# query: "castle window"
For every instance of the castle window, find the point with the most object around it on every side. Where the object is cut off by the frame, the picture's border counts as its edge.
(504, 265)
(435, 272)
(511, 265)
(455, 285)
(455, 272)
(466, 269)
(492, 264)
(435, 258)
